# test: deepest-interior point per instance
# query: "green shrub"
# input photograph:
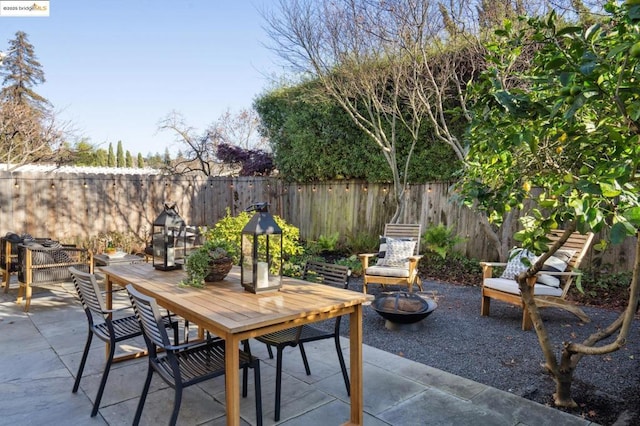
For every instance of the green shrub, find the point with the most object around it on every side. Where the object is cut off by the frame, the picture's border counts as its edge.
(197, 267)
(363, 242)
(441, 240)
(599, 288)
(229, 228)
(294, 266)
(455, 268)
(353, 262)
(328, 243)
(126, 241)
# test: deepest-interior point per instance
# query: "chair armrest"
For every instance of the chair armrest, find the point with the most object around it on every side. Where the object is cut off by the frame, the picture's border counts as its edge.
(487, 268)
(364, 259)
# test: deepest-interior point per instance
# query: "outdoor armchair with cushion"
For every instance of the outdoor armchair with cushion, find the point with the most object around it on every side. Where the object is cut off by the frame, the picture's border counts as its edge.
(48, 263)
(551, 285)
(398, 258)
(9, 254)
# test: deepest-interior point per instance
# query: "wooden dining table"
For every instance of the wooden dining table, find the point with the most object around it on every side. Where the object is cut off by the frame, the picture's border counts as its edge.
(234, 314)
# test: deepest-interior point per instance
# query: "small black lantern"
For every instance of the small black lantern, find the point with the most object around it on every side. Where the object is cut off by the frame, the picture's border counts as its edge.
(168, 238)
(261, 239)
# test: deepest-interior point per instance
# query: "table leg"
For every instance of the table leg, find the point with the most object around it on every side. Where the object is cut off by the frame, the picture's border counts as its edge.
(355, 359)
(232, 379)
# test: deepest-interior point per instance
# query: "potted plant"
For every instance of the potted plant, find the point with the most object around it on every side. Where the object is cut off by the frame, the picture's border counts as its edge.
(211, 262)
(110, 248)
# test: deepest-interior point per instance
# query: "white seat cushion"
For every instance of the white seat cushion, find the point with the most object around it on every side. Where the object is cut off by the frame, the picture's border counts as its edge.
(387, 271)
(510, 286)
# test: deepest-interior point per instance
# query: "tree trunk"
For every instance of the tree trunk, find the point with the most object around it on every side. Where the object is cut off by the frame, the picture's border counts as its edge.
(562, 396)
(562, 373)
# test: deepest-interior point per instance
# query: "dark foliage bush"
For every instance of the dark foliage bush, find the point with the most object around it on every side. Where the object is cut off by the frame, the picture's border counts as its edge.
(254, 162)
(455, 268)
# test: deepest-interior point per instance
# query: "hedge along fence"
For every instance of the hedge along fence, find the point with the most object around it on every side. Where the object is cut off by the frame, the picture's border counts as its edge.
(73, 206)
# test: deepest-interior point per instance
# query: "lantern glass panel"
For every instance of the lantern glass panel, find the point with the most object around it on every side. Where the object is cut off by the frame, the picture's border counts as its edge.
(168, 240)
(260, 268)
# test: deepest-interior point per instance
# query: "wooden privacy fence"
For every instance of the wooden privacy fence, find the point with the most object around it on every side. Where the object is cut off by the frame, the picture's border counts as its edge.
(75, 205)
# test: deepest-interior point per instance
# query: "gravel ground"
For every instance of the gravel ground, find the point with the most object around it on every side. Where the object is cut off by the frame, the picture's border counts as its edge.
(495, 351)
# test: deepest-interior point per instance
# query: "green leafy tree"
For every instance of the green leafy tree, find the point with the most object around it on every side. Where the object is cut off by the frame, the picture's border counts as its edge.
(154, 160)
(120, 162)
(314, 139)
(102, 158)
(364, 55)
(128, 159)
(85, 154)
(140, 161)
(563, 132)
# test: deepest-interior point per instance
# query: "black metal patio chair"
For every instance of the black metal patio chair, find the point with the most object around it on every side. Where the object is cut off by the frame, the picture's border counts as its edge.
(110, 330)
(187, 364)
(325, 273)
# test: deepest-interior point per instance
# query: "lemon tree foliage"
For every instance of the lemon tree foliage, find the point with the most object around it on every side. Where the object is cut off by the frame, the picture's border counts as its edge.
(565, 132)
(568, 133)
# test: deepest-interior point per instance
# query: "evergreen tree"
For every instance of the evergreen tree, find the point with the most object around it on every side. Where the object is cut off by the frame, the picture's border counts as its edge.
(111, 158)
(154, 161)
(167, 157)
(29, 131)
(129, 159)
(85, 154)
(22, 71)
(140, 161)
(102, 158)
(120, 155)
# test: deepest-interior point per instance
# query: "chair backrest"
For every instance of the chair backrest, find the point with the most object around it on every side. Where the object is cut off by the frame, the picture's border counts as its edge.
(411, 231)
(88, 291)
(577, 242)
(330, 274)
(151, 321)
(326, 273)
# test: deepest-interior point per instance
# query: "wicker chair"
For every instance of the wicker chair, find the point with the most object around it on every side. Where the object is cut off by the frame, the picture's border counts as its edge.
(9, 255)
(336, 275)
(39, 265)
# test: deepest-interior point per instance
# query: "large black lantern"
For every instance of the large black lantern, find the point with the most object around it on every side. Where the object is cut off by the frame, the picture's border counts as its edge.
(261, 251)
(169, 245)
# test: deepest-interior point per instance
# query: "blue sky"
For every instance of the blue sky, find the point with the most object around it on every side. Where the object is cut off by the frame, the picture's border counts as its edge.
(115, 68)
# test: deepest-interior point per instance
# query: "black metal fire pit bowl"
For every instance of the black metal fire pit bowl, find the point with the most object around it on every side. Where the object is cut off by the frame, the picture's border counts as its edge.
(400, 308)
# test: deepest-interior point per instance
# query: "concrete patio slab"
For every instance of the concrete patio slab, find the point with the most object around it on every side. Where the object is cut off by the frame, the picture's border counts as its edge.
(40, 352)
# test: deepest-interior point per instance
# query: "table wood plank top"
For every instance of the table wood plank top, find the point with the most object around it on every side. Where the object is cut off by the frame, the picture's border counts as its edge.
(227, 304)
